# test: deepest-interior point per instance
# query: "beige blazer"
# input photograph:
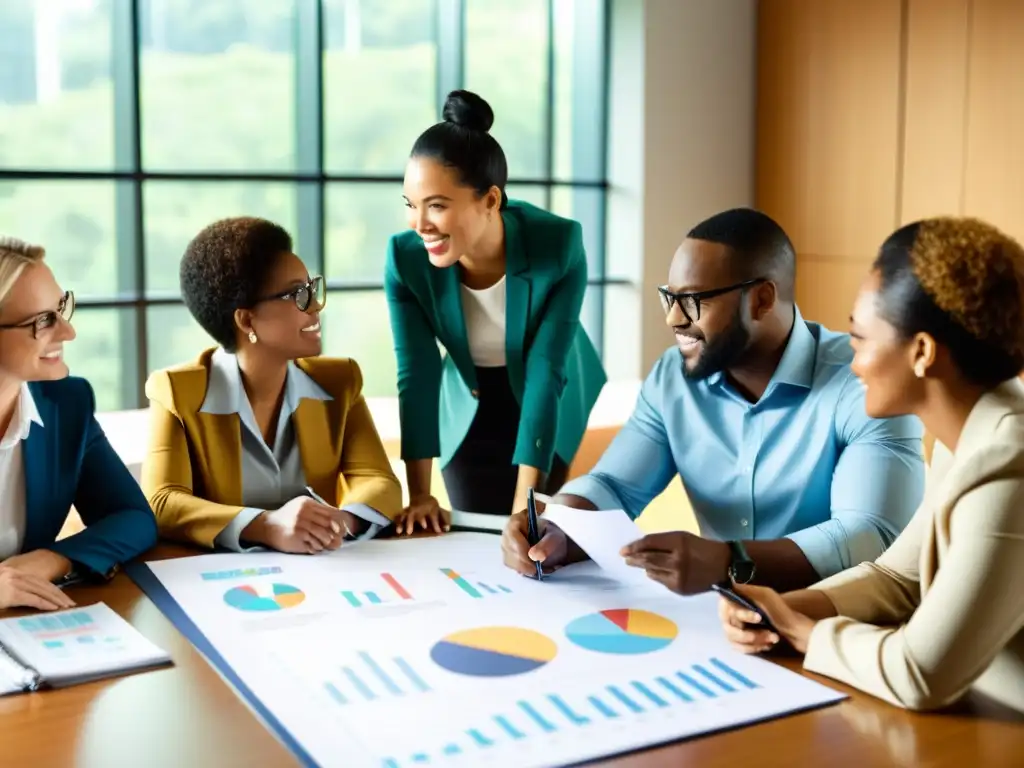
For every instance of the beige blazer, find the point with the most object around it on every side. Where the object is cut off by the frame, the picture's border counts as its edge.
(941, 611)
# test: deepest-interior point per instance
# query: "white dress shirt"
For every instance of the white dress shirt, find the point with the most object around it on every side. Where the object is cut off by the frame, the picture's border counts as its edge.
(12, 474)
(271, 476)
(484, 312)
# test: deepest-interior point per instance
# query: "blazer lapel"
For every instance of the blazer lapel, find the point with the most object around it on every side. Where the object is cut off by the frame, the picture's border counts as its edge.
(517, 303)
(313, 436)
(42, 474)
(448, 295)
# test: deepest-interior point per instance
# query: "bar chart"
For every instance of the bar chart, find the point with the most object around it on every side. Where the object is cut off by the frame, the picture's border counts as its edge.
(369, 680)
(475, 589)
(58, 633)
(395, 592)
(554, 712)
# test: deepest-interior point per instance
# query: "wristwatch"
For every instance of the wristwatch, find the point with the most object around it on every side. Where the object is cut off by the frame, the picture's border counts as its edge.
(741, 567)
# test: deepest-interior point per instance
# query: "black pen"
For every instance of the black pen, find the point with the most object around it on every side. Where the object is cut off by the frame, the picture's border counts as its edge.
(725, 590)
(532, 536)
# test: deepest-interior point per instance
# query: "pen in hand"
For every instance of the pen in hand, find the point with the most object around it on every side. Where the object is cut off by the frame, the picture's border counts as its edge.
(532, 537)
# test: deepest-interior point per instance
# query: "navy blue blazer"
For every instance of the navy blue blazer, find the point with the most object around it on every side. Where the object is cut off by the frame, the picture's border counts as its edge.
(68, 461)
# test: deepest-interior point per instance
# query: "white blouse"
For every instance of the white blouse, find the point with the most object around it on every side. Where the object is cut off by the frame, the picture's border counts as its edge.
(12, 475)
(484, 312)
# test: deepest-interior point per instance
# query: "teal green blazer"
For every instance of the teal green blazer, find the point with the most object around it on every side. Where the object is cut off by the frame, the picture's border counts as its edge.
(555, 372)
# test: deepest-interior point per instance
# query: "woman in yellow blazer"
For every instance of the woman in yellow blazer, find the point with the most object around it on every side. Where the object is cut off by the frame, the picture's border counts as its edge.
(260, 441)
(938, 331)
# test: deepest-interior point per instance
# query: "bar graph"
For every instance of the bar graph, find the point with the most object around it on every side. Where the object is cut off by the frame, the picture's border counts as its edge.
(552, 713)
(371, 680)
(374, 597)
(479, 589)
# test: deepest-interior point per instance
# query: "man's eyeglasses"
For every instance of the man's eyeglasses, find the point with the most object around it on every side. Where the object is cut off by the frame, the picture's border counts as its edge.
(689, 303)
(308, 295)
(44, 321)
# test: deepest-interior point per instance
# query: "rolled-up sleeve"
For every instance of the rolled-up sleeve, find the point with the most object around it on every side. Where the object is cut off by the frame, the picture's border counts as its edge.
(877, 485)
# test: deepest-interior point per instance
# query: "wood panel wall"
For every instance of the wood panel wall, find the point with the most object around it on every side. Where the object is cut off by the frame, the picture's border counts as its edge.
(875, 113)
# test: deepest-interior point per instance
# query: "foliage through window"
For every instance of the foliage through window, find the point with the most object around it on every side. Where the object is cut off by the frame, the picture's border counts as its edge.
(127, 125)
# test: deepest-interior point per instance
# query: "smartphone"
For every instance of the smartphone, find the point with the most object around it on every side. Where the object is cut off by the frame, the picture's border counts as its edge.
(729, 594)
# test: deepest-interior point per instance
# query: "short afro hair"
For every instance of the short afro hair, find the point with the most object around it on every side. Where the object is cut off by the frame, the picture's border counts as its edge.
(759, 247)
(961, 281)
(226, 267)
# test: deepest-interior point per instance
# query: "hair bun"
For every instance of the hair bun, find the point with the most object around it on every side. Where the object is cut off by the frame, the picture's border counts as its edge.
(467, 110)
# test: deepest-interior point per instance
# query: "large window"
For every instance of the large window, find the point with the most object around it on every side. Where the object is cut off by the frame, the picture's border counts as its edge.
(127, 125)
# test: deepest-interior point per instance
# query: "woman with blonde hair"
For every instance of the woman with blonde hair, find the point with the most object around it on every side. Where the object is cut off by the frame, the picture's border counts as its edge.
(937, 331)
(53, 452)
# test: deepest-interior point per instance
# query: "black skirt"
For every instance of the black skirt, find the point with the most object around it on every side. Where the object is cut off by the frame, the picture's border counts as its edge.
(481, 476)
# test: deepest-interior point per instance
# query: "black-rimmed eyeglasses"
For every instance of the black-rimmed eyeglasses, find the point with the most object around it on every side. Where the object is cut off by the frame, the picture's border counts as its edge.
(44, 321)
(310, 295)
(689, 302)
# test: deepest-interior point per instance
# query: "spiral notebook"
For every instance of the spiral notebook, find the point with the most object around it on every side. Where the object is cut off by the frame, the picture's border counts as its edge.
(54, 650)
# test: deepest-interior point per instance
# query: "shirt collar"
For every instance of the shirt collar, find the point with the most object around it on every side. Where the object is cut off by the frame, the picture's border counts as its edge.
(27, 413)
(225, 393)
(797, 364)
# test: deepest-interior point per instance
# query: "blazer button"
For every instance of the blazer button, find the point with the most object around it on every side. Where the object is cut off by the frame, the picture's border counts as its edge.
(475, 393)
(537, 443)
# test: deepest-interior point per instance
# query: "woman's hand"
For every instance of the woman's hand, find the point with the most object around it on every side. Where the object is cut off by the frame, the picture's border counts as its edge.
(41, 563)
(425, 512)
(792, 626)
(25, 590)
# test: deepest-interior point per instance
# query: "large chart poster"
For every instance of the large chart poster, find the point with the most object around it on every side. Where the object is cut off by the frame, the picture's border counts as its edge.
(429, 652)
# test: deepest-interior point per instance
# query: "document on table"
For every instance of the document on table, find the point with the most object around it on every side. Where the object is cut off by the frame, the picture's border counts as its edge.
(601, 534)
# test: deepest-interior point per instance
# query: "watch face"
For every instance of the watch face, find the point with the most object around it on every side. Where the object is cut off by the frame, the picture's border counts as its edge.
(742, 572)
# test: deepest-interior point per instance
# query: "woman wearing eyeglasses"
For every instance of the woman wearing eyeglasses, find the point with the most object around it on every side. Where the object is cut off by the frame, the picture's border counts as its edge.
(53, 452)
(261, 442)
(500, 284)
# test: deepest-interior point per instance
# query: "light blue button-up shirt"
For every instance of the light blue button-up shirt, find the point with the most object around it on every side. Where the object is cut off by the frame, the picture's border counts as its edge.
(274, 476)
(804, 462)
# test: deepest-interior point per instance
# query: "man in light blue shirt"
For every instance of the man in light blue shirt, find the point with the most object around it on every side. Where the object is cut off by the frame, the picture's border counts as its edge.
(760, 414)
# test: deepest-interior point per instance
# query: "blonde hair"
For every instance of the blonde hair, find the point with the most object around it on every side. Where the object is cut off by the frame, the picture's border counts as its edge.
(15, 255)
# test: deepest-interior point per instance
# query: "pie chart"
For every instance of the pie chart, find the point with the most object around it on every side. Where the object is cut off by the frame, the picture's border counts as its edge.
(622, 631)
(493, 651)
(264, 597)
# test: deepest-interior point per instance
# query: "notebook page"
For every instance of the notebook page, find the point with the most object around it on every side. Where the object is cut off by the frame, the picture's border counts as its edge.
(79, 644)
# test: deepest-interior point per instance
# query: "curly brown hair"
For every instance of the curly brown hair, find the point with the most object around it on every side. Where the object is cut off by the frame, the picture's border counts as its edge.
(226, 267)
(962, 281)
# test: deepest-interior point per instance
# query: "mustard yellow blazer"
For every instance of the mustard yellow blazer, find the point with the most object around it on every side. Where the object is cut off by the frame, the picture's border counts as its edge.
(192, 474)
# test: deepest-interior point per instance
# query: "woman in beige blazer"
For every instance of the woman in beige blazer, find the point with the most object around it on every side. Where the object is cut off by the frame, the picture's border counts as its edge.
(938, 331)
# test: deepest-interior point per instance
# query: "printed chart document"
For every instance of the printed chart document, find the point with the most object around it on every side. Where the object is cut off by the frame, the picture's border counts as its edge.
(70, 647)
(601, 534)
(417, 652)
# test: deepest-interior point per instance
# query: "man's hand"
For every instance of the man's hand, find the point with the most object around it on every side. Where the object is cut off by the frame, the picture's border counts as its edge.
(41, 563)
(19, 589)
(425, 512)
(683, 562)
(551, 551)
(302, 526)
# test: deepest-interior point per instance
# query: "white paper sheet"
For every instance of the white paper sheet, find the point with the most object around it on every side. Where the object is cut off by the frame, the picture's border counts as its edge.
(390, 655)
(601, 534)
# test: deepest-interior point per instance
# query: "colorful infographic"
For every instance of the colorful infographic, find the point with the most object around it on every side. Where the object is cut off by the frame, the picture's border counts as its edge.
(493, 651)
(622, 631)
(264, 597)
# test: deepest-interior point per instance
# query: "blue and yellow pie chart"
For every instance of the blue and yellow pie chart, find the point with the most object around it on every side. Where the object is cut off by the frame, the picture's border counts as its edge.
(493, 651)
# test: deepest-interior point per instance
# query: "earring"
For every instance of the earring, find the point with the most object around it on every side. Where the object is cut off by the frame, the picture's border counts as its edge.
(919, 371)
(252, 336)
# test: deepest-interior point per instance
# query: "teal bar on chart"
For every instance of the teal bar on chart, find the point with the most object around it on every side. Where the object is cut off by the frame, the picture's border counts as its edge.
(603, 708)
(359, 685)
(508, 728)
(739, 678)
(461, 583)
(352, 599)
(487, 588)
(373, 598)
(503, 588)
(335, 694)
(380, 674)
(714, 679)
(650, 695)
(631, 705)
(479, 738)
(667, 684)
(418, 681)
(567, 711)
(544, 724)
(698, 686)
(452, 749)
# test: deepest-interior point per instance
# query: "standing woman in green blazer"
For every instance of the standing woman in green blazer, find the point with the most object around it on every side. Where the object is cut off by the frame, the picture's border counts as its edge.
(499, 284)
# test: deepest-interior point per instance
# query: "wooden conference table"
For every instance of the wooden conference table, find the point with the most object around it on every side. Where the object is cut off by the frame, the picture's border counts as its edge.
(186, 715)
